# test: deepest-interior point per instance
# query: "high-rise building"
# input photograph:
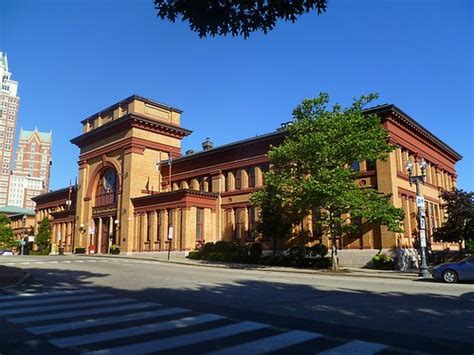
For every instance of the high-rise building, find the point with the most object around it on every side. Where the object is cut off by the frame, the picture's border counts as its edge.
(32, 168)
(9, 102)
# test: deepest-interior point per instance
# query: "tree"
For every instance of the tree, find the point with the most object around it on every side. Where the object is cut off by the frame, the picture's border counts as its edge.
(43, 239)
(236, 17)
(7, 240)
(312, 167)
(459, 226)
(276, 218)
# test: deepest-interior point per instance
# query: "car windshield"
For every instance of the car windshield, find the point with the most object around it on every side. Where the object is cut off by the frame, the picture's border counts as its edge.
(467, 258)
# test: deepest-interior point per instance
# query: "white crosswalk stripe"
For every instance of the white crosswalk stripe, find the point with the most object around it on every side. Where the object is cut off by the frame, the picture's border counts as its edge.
(86, 312)
(39, 294)
(183, 340)
(104, 319)
(62, 306)
(31, 302)
(355, 347)
(268, 344)
(134, 331)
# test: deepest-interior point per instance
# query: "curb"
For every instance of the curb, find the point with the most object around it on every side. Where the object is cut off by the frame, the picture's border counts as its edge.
(223, 266)
(18, 282)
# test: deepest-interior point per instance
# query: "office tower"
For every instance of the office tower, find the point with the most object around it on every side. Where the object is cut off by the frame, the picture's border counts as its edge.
(9, 102)
(32, 168)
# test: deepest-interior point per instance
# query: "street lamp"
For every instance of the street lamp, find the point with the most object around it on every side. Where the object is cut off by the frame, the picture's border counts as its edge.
(22, 242)
(420, 201)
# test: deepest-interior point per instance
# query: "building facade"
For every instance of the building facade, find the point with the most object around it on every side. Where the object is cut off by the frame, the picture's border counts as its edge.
(138, 191)
(32, 168)
(9, 104)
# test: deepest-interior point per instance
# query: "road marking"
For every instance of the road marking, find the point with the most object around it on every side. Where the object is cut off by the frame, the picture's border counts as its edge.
(134, 331)
(58, 299)
(10, 264)
(61, 306)
(183, 340)
(103, 321)
(67, 261)
(52, 262)
(54, 293)
(268, 344)
(79, 261)
(40, 262)
(86, 312)
(355, 347)
(25, 263)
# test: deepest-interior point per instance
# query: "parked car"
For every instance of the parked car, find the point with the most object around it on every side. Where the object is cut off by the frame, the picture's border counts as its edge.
(457, 271)
(5, 252)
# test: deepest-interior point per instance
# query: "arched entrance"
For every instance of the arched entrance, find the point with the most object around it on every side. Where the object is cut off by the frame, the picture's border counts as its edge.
(104, 211)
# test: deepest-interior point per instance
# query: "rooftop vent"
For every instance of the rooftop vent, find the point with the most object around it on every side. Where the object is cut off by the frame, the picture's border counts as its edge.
(284, 126)
(207, 144)
(190, 151)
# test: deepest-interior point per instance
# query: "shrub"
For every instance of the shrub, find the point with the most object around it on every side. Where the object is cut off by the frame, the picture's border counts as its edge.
(225, 247)
(196, 255)
(318, 250)
(114, 249)
(39, 252)
(207, 248)
(80, 250)
(382, 261)
(255, 250)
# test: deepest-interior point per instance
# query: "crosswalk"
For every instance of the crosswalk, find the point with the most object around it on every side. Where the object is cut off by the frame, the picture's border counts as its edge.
(87, 321)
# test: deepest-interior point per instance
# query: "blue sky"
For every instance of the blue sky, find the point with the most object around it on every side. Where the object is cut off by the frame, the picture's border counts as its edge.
(76, 57)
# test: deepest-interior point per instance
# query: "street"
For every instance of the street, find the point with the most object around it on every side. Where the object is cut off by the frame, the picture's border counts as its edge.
(102, 305)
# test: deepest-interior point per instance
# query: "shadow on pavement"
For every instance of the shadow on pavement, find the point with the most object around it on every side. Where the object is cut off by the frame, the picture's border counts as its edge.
(424, 321)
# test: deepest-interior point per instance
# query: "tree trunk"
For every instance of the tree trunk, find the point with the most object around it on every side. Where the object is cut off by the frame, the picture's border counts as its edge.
(335, 262)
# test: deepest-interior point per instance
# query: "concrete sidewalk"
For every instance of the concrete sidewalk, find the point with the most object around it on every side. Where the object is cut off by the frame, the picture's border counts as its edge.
(179, 258)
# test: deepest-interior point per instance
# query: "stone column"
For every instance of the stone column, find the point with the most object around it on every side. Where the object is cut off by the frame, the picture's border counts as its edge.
(99, 237)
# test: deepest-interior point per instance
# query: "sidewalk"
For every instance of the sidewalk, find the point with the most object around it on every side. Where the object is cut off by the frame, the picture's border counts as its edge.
(179, 258)
(10, 276)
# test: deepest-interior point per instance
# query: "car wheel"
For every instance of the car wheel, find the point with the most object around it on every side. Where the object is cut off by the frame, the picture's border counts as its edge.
(450, 276)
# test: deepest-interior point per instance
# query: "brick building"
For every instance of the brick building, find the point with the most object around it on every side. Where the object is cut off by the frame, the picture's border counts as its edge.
(129, 193)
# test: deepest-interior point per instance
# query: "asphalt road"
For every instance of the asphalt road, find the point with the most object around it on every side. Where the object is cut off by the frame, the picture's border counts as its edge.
(325, 312)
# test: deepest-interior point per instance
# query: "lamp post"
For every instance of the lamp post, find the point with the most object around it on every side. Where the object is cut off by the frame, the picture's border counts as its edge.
(23, 223)
(420, 201)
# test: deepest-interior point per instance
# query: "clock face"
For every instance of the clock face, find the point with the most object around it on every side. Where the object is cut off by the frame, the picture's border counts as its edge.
(108, 181)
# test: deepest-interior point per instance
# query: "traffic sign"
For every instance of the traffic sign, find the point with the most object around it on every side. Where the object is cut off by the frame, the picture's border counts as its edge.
(422, 238)
(420, 201)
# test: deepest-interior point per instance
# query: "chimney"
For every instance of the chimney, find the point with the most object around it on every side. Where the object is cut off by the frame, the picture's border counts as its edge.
(207, 144)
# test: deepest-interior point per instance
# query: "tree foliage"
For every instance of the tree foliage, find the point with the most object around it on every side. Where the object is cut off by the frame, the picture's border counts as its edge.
(7, 240)
(236, 17)
(43, 239)
(311, 169)
(459, 226)
(276, 216)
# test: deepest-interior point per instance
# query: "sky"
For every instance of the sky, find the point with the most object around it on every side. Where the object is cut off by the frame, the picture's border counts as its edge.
(73, 58)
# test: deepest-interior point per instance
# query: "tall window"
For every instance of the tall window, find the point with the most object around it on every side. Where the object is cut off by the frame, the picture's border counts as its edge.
(238, 180)
(106, 189)
(148, 226)
(251, 175)
(158, 232)
(199, 223)
(355, 166)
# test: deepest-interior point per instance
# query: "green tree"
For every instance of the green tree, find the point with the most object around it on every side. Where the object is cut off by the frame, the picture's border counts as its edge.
(7, 240)
(459, 226)
(43, 239)
(236, 17)
(312, 168)
(276, 217)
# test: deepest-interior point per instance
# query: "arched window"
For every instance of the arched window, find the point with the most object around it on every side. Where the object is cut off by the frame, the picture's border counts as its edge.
(106, 193)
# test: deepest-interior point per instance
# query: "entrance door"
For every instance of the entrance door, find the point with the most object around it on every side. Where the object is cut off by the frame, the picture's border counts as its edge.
(105, 236)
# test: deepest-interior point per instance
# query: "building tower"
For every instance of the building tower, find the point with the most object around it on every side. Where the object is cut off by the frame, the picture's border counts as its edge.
(9, 102)
(32, 168)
